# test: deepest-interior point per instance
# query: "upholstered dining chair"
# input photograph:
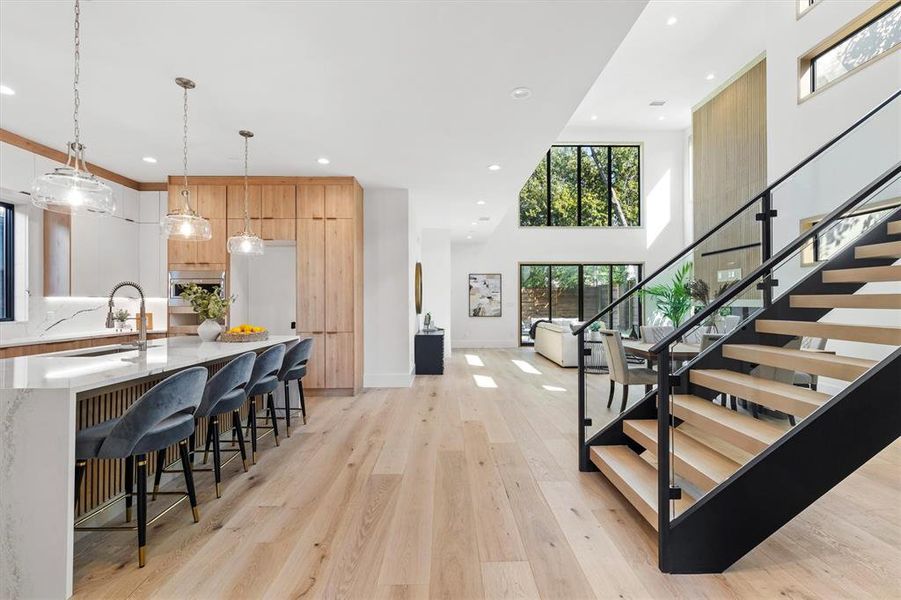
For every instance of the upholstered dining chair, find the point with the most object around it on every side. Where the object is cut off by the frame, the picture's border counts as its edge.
(652, 334)
(810, 380)
(294, 368)
(619, 368)
(223, 394)
(161, 417)
(263, 381)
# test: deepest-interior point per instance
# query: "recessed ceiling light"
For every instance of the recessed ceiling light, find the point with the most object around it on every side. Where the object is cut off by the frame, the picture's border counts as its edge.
(709, 77)
(323, 160)
(7, 91)
(468, 237)
(149, 159)
(481, 202)
(520, 93)
(672, 21)
(474, 223)
(661, 118)
(494, 167)
(594, 117)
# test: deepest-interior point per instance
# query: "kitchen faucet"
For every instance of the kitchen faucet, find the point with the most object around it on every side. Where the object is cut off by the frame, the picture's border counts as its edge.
(141, 344)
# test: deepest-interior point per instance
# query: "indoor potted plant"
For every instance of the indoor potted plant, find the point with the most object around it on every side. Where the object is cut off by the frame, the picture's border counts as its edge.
(673, 300)
(211, 306)
(121, 317)
(594, 332)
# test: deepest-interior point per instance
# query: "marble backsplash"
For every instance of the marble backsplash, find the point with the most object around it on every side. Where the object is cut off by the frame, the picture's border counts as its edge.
(61, 316)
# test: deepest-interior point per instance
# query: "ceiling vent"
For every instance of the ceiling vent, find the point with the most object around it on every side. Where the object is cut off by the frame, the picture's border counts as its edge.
(658, 102)
(484, 218)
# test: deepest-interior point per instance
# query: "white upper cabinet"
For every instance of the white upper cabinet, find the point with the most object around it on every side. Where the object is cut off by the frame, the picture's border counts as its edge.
(16, 168)
(152, 247)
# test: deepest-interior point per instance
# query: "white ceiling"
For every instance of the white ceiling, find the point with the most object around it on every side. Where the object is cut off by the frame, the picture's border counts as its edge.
(657, 61)
(399, 94)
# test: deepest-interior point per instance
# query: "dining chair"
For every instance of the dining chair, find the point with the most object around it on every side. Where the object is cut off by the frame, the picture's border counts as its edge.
(619, 367)
(652, 334)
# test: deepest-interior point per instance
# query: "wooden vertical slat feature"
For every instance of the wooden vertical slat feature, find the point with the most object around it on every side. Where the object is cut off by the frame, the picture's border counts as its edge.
(729, 168)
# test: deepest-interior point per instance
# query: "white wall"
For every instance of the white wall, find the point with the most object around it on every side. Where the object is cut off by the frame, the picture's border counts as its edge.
(388, 290)
(436, 280)
(658, 239)
(796, 129)
(105, 250)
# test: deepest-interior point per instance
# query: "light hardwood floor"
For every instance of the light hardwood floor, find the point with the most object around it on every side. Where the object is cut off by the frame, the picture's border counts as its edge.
(452, 490)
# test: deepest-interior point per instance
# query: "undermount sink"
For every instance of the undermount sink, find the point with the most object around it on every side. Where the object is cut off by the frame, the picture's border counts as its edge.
(104, 351)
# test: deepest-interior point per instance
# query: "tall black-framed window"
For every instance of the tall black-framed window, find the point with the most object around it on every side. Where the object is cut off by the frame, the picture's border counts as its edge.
(7, 262)
(584, 186)
(576, 292)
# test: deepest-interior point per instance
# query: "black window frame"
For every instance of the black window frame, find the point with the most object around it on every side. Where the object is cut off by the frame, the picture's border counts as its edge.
(8, 213)
(581, 266)
(819, 55)
(548, 215)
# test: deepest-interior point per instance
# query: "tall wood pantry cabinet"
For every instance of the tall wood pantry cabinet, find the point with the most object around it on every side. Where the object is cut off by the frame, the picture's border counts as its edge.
(330, 282)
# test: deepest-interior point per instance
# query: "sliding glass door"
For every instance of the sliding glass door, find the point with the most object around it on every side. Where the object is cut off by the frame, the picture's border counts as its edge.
(576, 292)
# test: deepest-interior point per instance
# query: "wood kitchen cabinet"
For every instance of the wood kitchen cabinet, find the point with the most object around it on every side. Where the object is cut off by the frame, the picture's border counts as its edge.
(236, 226)
(278, 201)
(214, 250)
(315, 378)
(235, 202)
(278, 229)
(210, 202)
(330, 277)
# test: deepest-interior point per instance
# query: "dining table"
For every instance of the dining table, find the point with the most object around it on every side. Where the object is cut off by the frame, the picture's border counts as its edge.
(678, 352)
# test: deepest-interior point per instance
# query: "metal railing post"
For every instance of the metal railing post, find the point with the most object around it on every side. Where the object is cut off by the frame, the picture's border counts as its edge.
(766, 241)
(663, 458)
(584, 462)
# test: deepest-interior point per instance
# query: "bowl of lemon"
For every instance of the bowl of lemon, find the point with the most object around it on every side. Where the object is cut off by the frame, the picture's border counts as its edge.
(244, 333)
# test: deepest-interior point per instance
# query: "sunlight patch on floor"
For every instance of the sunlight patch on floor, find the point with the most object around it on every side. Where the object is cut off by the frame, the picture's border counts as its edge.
(554, 388)
(526, 367)
(484, 381)
(473, 360)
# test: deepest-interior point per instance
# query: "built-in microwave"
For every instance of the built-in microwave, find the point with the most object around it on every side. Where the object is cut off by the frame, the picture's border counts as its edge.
(208, 280)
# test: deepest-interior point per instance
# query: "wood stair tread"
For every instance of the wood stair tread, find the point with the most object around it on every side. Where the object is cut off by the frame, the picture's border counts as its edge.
(846, 301)
(741, 430)
(845, 368)
(785, 397)
(863, 274)
(635, 478)
(883, 250)
(696, 462)
(894, 227)
(883, 334)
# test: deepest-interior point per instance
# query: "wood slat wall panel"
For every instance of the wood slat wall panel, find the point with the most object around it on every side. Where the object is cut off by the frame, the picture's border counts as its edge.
(729, 167)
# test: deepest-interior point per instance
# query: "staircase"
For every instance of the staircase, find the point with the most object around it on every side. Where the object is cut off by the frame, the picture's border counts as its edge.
(713, 447)
(695, 456)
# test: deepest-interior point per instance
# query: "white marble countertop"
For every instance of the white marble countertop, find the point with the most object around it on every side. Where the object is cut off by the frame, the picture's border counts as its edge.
(68, 337)
(69, 371)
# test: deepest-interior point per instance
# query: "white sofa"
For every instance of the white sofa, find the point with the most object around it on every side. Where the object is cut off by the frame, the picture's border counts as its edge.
(556, 342)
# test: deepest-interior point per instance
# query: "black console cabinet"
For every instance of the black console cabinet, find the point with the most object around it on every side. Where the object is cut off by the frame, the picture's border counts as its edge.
(428, 351)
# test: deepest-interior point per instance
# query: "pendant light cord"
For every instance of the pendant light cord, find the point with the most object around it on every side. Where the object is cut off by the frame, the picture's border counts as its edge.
(246, 210)
(185, 193)
(75, 147)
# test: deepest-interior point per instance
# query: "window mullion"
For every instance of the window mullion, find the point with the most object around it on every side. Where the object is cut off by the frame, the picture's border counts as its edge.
(548, 169)
(609, 186)
(579, 187)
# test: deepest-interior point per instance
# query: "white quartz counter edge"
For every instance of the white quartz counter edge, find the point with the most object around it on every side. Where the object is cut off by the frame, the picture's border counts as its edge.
(68, 337)
(63, 371)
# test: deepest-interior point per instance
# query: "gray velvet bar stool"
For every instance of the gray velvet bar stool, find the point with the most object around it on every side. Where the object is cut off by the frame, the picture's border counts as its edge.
(161, 417)
(224, 393)
(294, 368)
(264, 380)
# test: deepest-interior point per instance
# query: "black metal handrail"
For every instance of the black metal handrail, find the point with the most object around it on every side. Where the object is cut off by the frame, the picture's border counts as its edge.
(764, 195)
(767, 265)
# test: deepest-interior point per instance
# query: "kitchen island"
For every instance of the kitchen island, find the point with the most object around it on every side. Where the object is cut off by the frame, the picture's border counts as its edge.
(44, 399)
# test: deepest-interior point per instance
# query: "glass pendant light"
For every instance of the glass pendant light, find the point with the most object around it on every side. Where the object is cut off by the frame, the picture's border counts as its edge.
(73, 189)
(246, 242)
(184, 224)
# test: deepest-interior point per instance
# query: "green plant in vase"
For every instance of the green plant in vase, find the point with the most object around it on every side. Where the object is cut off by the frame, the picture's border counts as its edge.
(121, 316)
(210, 305)
(673, 299)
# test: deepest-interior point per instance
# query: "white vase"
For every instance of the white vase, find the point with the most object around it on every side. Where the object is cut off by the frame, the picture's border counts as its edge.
(209, 330)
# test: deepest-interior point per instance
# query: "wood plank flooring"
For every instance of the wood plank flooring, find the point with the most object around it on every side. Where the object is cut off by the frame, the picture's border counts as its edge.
(452, 490)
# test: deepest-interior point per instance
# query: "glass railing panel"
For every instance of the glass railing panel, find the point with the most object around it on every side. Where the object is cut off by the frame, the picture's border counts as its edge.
(872, 212)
